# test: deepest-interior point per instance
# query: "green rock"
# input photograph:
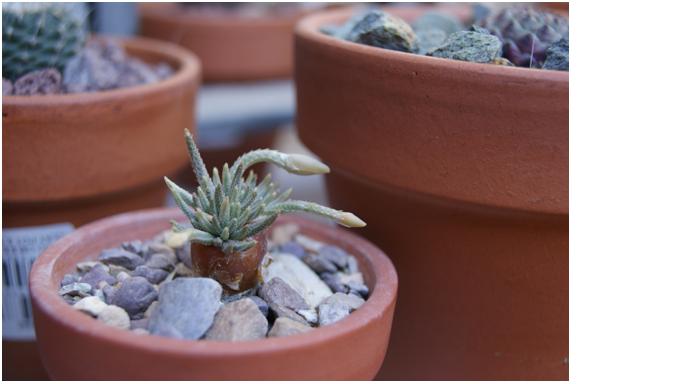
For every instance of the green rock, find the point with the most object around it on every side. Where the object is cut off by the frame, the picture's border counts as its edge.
(470, 46)
(379, 29)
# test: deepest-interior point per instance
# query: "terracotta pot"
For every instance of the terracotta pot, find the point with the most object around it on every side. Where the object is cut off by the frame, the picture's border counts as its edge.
(78, 157)
(236, 271)
(230, 47)
(461, 171)
(351, 349)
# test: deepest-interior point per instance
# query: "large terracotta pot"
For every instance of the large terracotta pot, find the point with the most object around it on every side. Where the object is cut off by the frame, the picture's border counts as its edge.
(462, 171)
(229, 46)
(350, 349)
(78, 157)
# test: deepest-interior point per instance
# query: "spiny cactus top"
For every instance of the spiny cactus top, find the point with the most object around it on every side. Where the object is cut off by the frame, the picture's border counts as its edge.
(227, 210)
(40, 36)
(526, 33)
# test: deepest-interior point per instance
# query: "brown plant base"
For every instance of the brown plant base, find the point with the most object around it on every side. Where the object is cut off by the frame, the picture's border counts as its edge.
(236, 271)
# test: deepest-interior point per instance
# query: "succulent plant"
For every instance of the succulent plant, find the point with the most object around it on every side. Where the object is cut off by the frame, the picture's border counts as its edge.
(228, 210)
(526, 33)
(41, 35)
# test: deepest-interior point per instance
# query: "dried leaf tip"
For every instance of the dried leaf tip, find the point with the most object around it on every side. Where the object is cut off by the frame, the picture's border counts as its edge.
(350, 220)
(305, 165)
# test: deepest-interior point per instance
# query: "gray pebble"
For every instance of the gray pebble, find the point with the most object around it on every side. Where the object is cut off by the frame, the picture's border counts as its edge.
(557, 56)
(97, 274)
(161, 261)
(68, 279)
(432, 20)
(286, 327)
(261, 304)
(120, 257)
(41, 82)
(135, 295)
(337, 307)
(76, 289)
(318, 264)
(335, 255)
(276, 291)
(293, 248)
(153, 275)
(470, 46)
(237, 321)
(186, 307)
(380, 29)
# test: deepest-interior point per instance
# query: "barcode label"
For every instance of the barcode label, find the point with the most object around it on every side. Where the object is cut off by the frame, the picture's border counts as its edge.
(20, 248)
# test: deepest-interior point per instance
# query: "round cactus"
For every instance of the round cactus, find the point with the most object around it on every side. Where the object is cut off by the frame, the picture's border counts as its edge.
(40, 35)
(526, 33)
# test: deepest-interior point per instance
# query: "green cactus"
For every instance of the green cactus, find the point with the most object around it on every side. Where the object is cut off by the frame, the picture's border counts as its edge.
(227, 210)
(40, 36)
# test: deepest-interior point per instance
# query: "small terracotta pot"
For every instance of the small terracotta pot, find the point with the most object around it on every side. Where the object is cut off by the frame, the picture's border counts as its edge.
(79, 157)
(350, 349)
(461, 171)
(230, 47)
(236, 271)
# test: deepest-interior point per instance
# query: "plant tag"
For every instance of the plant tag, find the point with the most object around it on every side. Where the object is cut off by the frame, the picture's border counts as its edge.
(20, 248)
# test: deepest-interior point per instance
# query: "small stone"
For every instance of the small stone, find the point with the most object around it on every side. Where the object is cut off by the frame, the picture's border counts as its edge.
(557, 56)
(86, 266)
(68, 279)
(108, 292)
(91, 305)
(298, 276)
(276, 291)
(380, 29)
(332, 280)
(75, 289)
(309, 315)
(150, 310)
(503, 61)
(308, 243)
(184, 254)
(282, 311)
(318, 264)
(260, 303)
(135, 295)
(115, 317)
(158, 247)
(40, 82)
(140, 323)
(334, 254)
(114, 270)
(293, 248)
(470, 46)
(76, 75)
(7, 87)
(430, 39)
(432, 20)
(135, 246)
(237, 321)
(284, 233)
(153, 275)
(161, 261)
(358, 289)
(337, 307)
(286, 327)
(345, 278)
(97, 274)
(186, 307)
(121, 276)
(121, 257)
(181, 270)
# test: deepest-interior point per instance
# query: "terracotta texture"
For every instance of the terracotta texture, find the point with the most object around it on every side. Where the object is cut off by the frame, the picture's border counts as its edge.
(79, 157)
(233, 270)
(461, 170)
(230, 47)
(351, 349)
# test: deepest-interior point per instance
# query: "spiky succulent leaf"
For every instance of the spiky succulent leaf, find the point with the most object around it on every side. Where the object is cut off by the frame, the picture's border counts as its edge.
(227, 210)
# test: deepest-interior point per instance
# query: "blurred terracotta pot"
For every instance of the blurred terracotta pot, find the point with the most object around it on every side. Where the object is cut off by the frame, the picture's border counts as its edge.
(461, 172)
(230, 47)
(351, 349)
(78, 157)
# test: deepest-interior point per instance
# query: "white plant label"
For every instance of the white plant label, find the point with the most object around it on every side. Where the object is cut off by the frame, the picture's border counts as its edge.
(20, 248)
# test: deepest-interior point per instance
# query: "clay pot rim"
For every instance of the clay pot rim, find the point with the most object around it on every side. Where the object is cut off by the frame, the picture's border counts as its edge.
(189, 69)
(222, 20)
(44, 295)
(309, 28)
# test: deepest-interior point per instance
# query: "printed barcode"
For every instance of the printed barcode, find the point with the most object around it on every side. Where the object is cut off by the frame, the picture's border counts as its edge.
(20, 248)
